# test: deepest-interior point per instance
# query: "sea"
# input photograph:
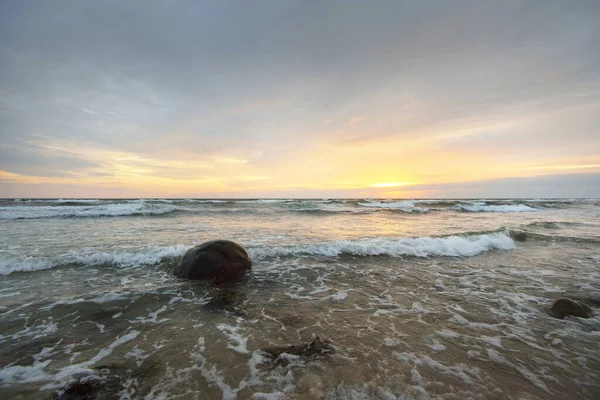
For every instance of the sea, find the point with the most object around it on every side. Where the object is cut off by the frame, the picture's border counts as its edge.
(419, 299)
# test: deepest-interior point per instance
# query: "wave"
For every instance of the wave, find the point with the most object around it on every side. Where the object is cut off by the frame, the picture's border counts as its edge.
(139, 207)
(406, 206)
(266, 201)
(8, 265)
(65, 208)
(547, 237)
(482, 207)
(452, 246)
(328, 211)
(553, 225)
(149, 256)
(70, 201)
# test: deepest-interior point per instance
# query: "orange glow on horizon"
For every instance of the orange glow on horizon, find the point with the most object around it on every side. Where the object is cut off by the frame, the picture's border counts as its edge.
(391, 184)
(384, 166)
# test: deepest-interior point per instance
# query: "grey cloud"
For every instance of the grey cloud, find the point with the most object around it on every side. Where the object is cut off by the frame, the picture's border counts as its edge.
(121, 74)
(562, 134)
(34, 161)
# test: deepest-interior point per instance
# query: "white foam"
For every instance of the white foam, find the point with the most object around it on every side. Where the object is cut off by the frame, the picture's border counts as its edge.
(406, 206)
(147, 256)
(36, 373)
(139, 355)
(453, 246)
(448, 334)
(211, 374)
(40, 329)
(267, 201)
(24, 264)
(418, 308)
(138, 207)
(108, 297)
(460, 371)
(236, 341)
(23, 374)
(391, 342)
(505, 208)
(108, 350)
(339, 296)
(153, 317)
(437, 346)
(530, 376)
(269, 396)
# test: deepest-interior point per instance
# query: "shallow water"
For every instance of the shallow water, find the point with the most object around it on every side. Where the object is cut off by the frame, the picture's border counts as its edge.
(421, 299)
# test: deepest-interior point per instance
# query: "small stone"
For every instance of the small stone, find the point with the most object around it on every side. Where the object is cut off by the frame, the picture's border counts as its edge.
(564, 307)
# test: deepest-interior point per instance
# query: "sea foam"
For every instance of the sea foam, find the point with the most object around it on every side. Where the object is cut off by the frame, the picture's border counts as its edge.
(15, 264)
(147, 256)
(452, 246)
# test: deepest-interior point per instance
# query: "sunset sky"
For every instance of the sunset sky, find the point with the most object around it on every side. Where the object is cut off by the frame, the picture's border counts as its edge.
(300, 98)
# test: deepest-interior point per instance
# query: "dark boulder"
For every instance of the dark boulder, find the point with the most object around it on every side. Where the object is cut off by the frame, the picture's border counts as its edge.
(564, 307)
(218, 261)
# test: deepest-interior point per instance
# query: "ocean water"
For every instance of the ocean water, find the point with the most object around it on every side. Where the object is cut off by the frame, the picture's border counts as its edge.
(440, 299)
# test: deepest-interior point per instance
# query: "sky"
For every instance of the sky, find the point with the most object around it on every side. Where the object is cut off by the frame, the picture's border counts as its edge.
(391, 99)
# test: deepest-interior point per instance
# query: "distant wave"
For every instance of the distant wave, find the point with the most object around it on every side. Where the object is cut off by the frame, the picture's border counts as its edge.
(582, 232)
(11, 209)
(506, 208)
(139, 207)
(551, 224)
(406, 206)
(73, 201)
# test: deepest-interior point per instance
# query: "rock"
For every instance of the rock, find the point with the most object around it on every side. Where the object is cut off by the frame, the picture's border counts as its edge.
(564, 307)
(218, 261)
(108, 382)
(315, 348)
(103, 385)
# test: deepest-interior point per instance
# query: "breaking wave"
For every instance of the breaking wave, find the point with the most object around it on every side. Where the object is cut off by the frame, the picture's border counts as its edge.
(406, 206)
(149, 256)
(452, 246)
(11, 209)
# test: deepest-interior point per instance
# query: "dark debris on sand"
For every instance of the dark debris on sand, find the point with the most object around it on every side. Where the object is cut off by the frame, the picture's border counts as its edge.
(315, 348)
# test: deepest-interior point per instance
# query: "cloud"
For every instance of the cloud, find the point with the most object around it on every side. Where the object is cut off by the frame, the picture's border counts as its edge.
(357, 119)
(583, 185)
(218, 90)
